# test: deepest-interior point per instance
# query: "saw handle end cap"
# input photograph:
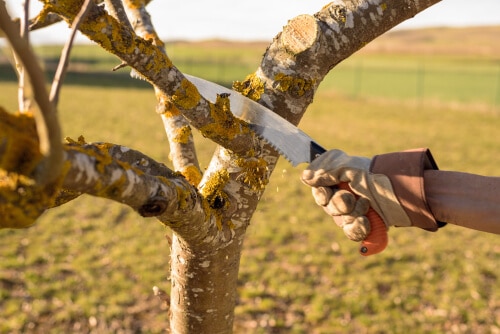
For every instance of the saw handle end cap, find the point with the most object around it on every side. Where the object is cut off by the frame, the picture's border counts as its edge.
(377, 239)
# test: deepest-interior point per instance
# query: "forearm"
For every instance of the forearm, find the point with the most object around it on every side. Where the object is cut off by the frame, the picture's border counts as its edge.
(467, 200)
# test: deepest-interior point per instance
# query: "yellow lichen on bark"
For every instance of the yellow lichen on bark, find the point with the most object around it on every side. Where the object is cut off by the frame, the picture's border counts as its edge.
(192, 174)
(101, 155)
(102, 161)
(42, 15)
(103, 28)
(80, 141)
(252, 87)
(215, 197)
(136, 3)
(254, 172)
(114, 189)
(70, 7)
(139, 5)
(182, 134)
(19, 145)
(154, 38)
(22, 200)
(293, 85)
(100, 152)
(165, 106)
(225, 124)
(186, 96)
(183, 195)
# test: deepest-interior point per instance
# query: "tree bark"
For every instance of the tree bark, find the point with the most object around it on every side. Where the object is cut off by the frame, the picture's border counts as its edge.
(204, 282)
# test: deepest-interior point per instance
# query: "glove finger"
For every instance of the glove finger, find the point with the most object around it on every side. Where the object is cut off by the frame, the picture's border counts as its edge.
(318, 178)
(322, 195)
(360, 209)
(339, 221)
(322, 170)
(341, 202)
(358, 229)
(327, 169)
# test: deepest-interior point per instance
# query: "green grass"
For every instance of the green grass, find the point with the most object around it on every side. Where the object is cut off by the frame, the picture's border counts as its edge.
(90, 265)
(418, 78)
(423, 283)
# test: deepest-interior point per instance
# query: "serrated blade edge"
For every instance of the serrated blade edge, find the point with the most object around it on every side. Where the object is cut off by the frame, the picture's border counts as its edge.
(291, 142)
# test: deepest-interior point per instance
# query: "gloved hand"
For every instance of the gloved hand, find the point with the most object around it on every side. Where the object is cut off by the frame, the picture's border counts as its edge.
(375, 190)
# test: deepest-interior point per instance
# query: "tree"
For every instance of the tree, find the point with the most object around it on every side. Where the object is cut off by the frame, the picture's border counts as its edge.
(208, 212)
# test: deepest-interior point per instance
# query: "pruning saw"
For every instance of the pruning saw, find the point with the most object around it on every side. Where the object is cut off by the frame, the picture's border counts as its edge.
(292, 143)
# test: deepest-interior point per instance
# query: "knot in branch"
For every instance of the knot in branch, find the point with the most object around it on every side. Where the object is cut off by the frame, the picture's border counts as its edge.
(155, 206)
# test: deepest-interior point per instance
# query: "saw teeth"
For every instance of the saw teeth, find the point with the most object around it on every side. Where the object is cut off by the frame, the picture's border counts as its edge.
(276, 148)
(136, 75)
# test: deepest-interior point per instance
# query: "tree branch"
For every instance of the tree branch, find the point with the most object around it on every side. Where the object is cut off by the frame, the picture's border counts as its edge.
(64, 60)
(43, 20)
(129, 177)
(180, 138)
(100, 169)
(310, 46)
(115, 8)
(22, 96)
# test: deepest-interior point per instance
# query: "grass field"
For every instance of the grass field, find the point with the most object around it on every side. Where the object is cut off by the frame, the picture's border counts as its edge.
(90, 265)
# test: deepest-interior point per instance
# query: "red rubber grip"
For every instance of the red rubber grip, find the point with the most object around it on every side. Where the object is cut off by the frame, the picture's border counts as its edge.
(377, 239)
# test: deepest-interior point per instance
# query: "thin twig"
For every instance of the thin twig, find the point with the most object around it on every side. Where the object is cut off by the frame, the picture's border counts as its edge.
(115, 8)
(23, 99)
(45, 20)
(49, 132)
(25, 20)
(22, 95)
(64, 61)
(119, 66)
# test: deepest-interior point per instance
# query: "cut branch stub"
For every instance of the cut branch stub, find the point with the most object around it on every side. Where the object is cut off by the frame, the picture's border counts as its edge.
(300, 34)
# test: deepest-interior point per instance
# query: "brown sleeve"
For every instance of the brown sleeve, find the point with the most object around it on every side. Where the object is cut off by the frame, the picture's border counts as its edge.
(406, 172)
(464, 199)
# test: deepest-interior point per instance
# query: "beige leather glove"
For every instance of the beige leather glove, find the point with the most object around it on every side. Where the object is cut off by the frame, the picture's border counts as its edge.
(374, 190)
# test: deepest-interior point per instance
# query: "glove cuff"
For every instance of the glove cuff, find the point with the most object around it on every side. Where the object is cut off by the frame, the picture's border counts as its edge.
(405, 170)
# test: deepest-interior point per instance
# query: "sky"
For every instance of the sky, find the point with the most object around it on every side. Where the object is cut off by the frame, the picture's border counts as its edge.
(263, 19)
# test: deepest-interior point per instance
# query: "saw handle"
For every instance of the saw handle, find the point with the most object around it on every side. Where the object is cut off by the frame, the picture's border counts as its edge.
(377, 239)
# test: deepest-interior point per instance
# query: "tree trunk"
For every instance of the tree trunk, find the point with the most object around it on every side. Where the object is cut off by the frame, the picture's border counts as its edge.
(203, 288)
